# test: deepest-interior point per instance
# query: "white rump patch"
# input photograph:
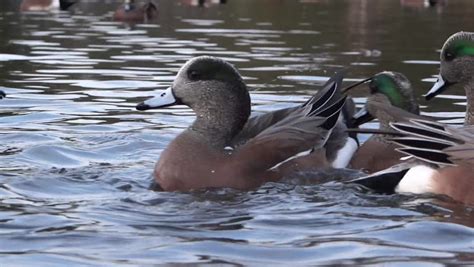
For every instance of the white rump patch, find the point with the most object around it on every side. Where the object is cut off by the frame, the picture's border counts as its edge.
(344, 155)
(418, 180)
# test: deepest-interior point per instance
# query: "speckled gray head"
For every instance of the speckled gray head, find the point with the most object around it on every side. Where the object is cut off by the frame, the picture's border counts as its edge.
(457, 62)
(201, 79)
(210, 86)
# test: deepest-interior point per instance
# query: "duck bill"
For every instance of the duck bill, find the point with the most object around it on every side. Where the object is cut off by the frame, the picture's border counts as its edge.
(354, 85)
(361, 117)
(164, 99)
(438, 88)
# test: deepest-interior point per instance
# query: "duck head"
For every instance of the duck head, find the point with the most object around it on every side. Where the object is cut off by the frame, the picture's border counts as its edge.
(213, 89)
(457, 63)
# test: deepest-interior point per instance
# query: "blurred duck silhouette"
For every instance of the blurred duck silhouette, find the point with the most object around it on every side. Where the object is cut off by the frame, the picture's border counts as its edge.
(203, 3)
(422, 3)
(45, 5)
(132, 12)
(2, 94)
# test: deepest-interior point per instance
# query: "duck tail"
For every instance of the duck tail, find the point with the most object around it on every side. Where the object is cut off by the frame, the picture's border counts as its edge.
(425, 140)
(330, 93)
(331, 114)
(385, 181)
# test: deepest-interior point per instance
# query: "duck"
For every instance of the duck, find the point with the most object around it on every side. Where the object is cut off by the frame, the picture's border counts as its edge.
(45, 5)
(447, 151)
(215, 152)
(129, 11)
(2, 94)
(388, 91)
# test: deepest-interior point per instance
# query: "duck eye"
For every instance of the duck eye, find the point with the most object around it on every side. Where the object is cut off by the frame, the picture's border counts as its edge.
(194, 75)
(449, 56)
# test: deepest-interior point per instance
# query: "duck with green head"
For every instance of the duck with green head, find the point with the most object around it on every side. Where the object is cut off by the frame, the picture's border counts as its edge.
(450, 149)
(391, 100)
(457, 68)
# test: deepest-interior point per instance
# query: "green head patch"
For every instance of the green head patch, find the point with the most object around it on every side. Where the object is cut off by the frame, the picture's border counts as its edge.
(385, 84)
(458, 45)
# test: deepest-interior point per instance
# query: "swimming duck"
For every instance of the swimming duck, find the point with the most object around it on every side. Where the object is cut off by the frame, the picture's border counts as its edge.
(450, 149)
(388, 91)
(129, 11)
(212, 154)
(45, 5)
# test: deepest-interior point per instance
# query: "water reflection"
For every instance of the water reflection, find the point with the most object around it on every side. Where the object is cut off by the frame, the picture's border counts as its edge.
(76, 157)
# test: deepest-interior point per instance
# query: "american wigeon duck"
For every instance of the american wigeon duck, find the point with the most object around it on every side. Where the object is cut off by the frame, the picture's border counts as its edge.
(45, 5)
(391, 100)
(449, 148)
(132, 12)
(211, 154)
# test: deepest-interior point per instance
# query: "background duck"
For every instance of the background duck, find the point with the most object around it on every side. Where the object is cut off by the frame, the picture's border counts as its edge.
(391, 99)
(45, 5)
(132, 12)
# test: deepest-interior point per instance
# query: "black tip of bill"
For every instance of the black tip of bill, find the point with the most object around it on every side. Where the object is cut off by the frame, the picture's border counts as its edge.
(142, 106)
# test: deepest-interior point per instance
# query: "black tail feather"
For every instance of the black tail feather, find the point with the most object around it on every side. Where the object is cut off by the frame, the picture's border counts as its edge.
(432, 156)
(413, 142)
(332, 114)
(411, 129)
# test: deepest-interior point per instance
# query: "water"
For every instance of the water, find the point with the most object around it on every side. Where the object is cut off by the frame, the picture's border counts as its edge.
(76, 157)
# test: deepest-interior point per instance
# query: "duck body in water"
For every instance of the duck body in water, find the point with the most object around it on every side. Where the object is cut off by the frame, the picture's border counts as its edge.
(215, 152)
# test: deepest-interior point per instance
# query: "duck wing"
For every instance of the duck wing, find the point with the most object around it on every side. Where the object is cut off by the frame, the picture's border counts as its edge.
(325, 97)
(296, 133)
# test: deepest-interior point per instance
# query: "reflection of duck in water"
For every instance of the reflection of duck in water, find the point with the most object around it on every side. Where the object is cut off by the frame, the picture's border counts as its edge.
(45, 5)
(130, 11)
(203, 3)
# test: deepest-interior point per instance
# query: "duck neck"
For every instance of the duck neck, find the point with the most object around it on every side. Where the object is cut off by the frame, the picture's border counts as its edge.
(218, 126)
(469, 88)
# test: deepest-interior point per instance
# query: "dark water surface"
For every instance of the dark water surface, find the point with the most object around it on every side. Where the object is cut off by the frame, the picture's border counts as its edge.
(76, 158)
